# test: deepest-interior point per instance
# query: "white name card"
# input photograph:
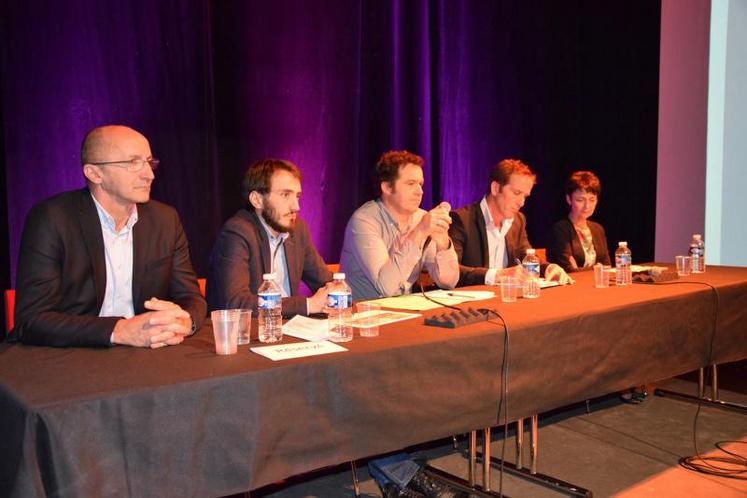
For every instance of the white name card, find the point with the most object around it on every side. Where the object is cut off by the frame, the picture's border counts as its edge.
(297, 350)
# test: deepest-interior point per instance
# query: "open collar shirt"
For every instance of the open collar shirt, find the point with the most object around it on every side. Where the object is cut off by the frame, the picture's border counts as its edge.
(497, 254)
(118, 254)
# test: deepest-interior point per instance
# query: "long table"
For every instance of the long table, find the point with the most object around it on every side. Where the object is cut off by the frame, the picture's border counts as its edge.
(183, 421)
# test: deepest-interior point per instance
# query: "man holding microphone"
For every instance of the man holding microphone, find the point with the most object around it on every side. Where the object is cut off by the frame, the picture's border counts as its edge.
(389, 240)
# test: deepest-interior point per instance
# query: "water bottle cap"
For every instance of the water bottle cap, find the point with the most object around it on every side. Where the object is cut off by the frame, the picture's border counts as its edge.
(268, 276)
(697, 236)
(530, 251)
(622, 244)
(338, 276)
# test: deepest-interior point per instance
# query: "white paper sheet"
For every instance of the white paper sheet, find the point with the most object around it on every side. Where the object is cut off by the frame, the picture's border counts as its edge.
(297, 350)
(309, 329)
(384, 316)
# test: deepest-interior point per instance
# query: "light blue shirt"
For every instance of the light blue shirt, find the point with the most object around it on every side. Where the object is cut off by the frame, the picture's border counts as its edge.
(379, 260)
(277, 255)
(118, 255)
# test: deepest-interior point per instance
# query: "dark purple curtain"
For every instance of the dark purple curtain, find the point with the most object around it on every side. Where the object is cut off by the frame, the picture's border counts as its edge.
(331, 84)
(69, 66)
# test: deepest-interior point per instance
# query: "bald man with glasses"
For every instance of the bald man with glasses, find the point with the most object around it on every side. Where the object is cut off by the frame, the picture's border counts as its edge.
(106, 265)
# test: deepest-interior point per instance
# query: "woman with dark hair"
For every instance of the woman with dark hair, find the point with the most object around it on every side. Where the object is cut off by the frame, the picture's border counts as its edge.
(577, 242)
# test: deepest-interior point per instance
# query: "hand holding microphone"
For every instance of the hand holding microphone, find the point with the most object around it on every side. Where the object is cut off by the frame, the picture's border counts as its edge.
(438, 221)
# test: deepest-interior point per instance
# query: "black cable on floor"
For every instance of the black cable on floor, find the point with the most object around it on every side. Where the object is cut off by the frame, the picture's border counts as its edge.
(697, 462)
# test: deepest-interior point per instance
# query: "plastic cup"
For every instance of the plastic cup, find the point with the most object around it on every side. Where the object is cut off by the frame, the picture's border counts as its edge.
(684, 265)
(510, 288)
(225, 331)
(601, 276)
(245, 326)
(367, 317)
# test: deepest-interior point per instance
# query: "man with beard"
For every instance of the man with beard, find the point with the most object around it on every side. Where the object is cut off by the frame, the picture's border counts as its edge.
(267, 236)
(105, 264)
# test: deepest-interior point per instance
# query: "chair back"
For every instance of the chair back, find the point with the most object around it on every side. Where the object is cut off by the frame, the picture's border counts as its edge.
(10, 307)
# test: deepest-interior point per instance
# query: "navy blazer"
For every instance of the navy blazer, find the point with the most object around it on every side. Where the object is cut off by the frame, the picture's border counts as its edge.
(241, 255)
(61, 277)
(467, 232)
(566, 250)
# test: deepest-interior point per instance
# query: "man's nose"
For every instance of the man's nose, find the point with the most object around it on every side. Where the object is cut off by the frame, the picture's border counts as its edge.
(147, 172)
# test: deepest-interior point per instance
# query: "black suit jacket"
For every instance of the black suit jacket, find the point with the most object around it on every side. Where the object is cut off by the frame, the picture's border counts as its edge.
(61, 277)
(566, 249)
(241, 255)
(467, 232)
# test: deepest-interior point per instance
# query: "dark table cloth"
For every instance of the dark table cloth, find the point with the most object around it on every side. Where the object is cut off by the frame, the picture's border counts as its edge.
(181, 421)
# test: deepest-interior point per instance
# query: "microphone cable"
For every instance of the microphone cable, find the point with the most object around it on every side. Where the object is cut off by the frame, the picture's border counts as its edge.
(503, 397)
(709, 465)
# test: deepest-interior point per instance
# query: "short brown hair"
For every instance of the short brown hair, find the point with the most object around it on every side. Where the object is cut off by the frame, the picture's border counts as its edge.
(585, 181)
(259, 175)
(502, 172)
(389, 164)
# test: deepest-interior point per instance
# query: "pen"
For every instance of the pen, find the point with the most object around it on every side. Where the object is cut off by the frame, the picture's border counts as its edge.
(454, 294)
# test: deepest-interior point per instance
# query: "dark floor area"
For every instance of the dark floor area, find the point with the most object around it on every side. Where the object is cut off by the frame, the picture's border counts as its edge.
(616, 449)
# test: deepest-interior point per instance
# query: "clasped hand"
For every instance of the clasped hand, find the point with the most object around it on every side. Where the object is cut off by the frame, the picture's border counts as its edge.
(435, 224)
(165, 325)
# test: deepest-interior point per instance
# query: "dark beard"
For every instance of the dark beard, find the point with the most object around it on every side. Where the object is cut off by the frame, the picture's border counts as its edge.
(269, 214)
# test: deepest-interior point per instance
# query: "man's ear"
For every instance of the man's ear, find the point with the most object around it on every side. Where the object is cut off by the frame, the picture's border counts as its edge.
(495, 188)
(92, 173)
(386, 188)
(256, 199)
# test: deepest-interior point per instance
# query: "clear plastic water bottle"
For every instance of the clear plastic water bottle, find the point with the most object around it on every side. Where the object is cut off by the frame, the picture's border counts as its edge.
(531, 264)
(270, 307)
(339, 309)
(623, 260)
(697, 253)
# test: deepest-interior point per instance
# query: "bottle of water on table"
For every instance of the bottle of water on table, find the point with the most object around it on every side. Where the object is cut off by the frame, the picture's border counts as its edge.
(623, 260)
(270, 307)
(339, 309)
(531, 264)
(697, 253)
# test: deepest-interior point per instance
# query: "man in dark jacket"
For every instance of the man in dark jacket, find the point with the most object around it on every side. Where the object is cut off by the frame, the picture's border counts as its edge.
(106, 265)
(267, 236)
(490, 236)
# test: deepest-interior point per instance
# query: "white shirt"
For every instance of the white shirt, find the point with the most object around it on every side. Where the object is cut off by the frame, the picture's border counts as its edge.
(277, 253)
(497, 255)
(118, 255)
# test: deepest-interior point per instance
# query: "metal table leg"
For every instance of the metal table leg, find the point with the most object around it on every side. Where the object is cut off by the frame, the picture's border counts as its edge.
(356, 483)
(533, 435)
(531, 474)
(486, 461)
(701, 397)
(519, 443)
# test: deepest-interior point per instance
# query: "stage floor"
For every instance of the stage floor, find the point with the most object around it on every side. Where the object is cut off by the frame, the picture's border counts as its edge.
(618, 450)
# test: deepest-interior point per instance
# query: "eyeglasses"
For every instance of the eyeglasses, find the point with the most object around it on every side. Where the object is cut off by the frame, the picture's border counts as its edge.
(133, 165)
